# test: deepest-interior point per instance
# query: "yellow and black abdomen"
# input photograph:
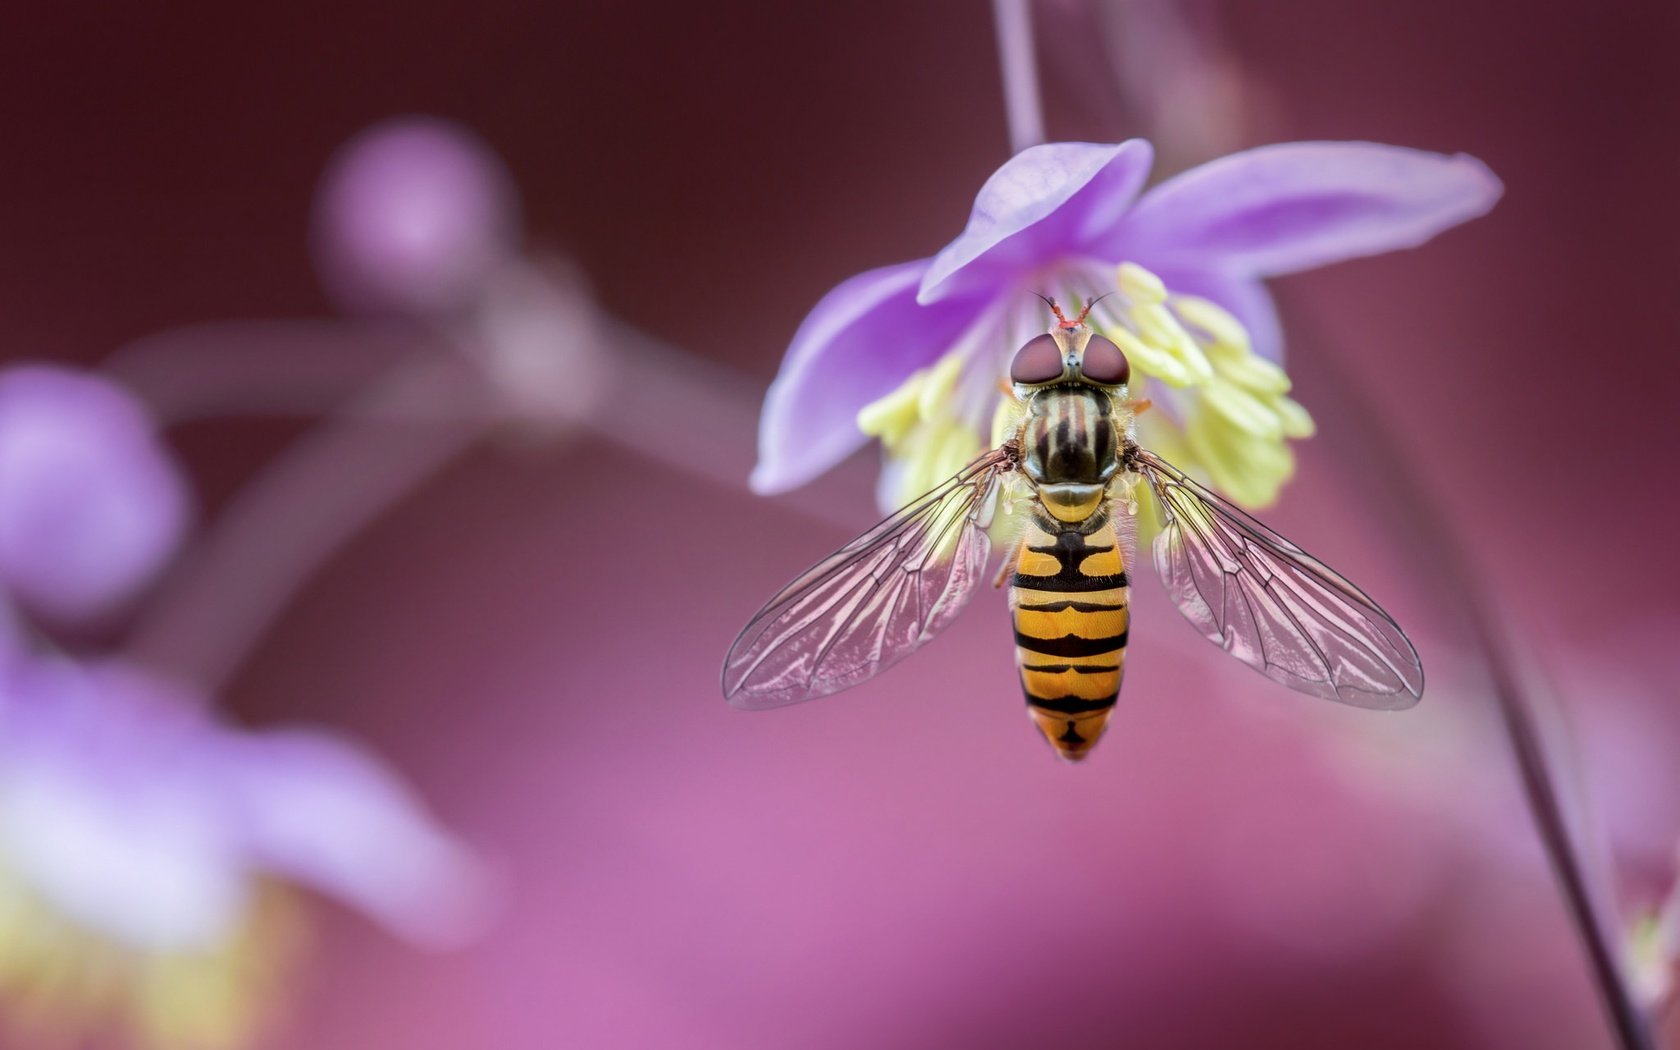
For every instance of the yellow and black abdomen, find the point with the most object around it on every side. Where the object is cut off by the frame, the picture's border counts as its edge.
(1069, 600)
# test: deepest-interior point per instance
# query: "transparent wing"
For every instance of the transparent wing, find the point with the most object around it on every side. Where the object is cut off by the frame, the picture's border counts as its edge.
(873, 601)
(1274, 606)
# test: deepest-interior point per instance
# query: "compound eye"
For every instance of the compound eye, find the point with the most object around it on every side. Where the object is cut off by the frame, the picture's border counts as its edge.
(1039, 361)
(1104, 362)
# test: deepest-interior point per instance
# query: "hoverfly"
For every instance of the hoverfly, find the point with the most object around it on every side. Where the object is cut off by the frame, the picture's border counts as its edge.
(1073, 460)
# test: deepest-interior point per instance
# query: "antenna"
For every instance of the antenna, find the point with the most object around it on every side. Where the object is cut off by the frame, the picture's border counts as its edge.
(1087, 309)
(1061, 318)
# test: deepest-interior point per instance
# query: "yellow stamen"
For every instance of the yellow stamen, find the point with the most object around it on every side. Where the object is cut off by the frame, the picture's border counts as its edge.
(1158, 364)
(891, 417)
(1157, 325)
(1249, 370)
(1232, 420)
(918, 426)
(1251, 471)
(1243, 409)
(1296, 422)
(1004, 418)
(1228, 347)
(1213, 320)
(952, 450)
(1140, 285)
(941, 381)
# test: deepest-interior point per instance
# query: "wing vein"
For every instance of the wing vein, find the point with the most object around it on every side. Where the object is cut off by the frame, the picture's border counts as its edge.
(1297, 621)
(873, 601)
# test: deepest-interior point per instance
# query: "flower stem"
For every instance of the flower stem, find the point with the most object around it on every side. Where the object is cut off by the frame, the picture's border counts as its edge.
(1021, 100)
(290, 519)
(1511, 676)
(261, 367)
(378, 446)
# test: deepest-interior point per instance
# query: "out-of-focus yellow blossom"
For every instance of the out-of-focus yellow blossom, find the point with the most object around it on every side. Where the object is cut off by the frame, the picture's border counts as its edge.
(62, 984)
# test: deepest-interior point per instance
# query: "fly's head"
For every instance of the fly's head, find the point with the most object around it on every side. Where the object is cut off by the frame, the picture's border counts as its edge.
(1070, 353)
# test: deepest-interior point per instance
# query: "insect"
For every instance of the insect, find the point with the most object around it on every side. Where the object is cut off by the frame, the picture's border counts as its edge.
(1073, 461)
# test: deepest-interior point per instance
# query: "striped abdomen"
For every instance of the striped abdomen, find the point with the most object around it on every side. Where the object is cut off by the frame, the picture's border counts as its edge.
(1069, 602)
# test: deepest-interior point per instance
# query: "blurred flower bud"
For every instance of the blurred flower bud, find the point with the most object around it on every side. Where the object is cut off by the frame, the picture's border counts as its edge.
(91, 505)
(411, 216)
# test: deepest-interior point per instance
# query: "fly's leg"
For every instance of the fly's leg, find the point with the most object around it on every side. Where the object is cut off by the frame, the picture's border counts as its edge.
(1009, 563)
(1015, 547)
(1124, 491)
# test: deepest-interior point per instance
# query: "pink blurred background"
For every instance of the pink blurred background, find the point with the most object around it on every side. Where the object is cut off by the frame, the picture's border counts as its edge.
(534, 638)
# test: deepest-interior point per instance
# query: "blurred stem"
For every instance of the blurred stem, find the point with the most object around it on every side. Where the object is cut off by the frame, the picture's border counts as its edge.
(1496, 637)
(378, 446)
(1021, 100)
(263, 367)
(294, 515)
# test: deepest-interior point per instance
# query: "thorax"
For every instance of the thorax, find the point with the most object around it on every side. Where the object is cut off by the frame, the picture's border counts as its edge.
(1070, 441)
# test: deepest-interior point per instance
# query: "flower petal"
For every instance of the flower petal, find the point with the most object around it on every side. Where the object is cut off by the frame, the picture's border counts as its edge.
(863, 339)
(1046, 203)
(1293, 206)
(91, 505)
(327, 814)
(108, 813)
(1245, 297)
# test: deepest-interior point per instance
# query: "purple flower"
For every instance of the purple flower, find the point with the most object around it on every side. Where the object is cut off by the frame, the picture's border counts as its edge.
(412, 216)
(912, 353)
(134, 828)
(91, 505)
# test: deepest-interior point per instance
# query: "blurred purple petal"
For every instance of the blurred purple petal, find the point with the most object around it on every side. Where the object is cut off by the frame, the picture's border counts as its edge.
(862, 340)
(129, 810)
(330, 816)
(91, 505)
(412, 215)
(1044, 204)
(1288, 207)
(1245, 297)
(108, 812)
